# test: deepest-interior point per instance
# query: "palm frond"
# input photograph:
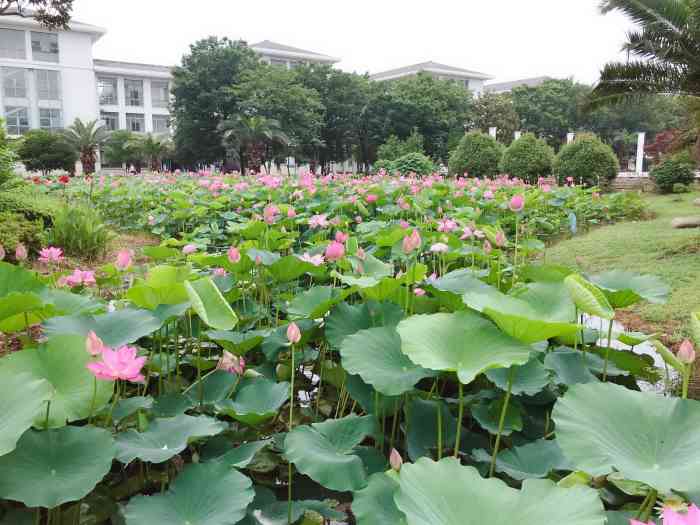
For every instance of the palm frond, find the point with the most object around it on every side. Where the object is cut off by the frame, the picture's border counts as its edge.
(671, 15)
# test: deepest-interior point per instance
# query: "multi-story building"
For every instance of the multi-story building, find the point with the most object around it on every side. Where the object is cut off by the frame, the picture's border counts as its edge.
(288, 56)
(507, 87)
(471, 80)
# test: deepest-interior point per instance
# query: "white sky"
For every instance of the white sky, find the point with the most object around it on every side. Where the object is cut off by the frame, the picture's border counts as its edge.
(509, 39)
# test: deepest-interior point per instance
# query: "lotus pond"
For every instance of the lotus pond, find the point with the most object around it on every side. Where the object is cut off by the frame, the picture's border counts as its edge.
(370, 351)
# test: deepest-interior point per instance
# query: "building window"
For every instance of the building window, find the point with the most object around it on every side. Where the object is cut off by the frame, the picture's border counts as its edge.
(278, 62)
(111, 120)
(48, 84)
(135, 122)
(161, 123)
(50, 119)
(17, 120)
(134, 92)
(14, 82)
(107, 90)
(466, 83)
(12, 44)
(45, 47)
(160, 94)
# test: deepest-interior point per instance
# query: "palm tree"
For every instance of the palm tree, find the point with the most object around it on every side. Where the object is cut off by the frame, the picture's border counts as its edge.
(86, 138)
(666, 48)
(154, 148)
(248, 137)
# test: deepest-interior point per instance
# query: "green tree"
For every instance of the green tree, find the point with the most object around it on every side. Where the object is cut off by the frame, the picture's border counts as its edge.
(42, 150)
(204, 87)
(528, 158)
(477, 154)
(122, 147)
(86, 138)
(666, 50)
(496, 109)
(587, 160)
(53, 14)
(249, 139)
(394, 147)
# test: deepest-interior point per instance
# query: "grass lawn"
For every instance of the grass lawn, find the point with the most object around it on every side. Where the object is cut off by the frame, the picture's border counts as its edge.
(646, 247)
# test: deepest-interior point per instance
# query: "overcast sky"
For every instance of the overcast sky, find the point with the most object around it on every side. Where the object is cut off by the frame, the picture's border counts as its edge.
(509, 39)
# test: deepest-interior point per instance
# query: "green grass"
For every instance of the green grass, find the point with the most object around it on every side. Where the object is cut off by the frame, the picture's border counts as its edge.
(646, 247)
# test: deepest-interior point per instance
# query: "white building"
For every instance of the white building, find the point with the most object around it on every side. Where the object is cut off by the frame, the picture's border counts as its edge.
(472, 80)
(507, 87)
(288, 56)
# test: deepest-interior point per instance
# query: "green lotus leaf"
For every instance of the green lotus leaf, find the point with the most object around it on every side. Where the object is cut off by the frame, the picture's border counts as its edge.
(315, 302)
(255, 400)
(375, 355)
(624, 289)
(266, 258)
(346, 319)
(62, 363)
(237, 342)
(374, 504)
(160, 252)
(164, 438)
(461, 342)
(422, 423)
(534, 460)
(447, 493)
(603, 427)
(204, 494)
(569, 367)
(634, 338)
(16, 279)
(588, 297)
(325, 451)
(460, 282)
(215, 387)
(163, 285)
(171, 405)
(19, 304)
(22, 398)
(129, 406)
(210, 305)
(488, 413)
(267, 510)
(51, 467)
(528, 379)
(242, 455)
(544, 272)
(620, 517)
(115, 328)
(291, 267)
(371, 401)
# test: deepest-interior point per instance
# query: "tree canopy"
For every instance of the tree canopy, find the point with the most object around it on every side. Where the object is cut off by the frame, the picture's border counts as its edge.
(53, 14)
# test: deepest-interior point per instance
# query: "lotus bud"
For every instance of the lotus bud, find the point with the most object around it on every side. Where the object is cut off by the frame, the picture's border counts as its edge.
(234, 255)
(686, 353)
(93, 344)
(20, 252)
(293, 333)
(395, 460)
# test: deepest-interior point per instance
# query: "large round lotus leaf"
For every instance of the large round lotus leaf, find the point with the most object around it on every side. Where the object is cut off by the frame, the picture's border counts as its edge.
(204, 494)
(255, 400)
(534, 460)
(538, 312)
(239, 457)
(164, 438)
(291, 267)
(461, 342)
(214, 387)
(488, 413)
(210, 305)
(528, 379)
(422, 426)
(267, 510)
(447, 493)
(626, 288)
(588, 297)
(237, 342)
(316, 301)
(602, 427)
(569, 367)
(375, 355)
(62, 362)
(55, 466)
(22, 398)
(325, 451)
(374, 504)
(16, 279)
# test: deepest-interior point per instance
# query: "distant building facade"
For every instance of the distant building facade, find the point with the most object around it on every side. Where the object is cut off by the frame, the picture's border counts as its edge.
(507, 87)
(471, 80)
(288, 56)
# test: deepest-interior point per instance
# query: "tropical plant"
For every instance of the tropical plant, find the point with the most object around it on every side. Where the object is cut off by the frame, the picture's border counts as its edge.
(248, 139)
(86, 138)
(528, 158)
(122, 147)
(154, 149)
(44, 151)
(477, 154)
(586, 161)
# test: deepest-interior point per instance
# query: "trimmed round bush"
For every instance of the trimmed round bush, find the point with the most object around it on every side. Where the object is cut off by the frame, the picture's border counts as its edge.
(383, 164)
(413, 163)
(587, 161)
(528, 158)
(672, 171)
(477, 154)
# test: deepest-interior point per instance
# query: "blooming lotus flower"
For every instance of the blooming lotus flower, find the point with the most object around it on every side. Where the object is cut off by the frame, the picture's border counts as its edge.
(234, 255)
(446, 225)
(395, 460)
(231, 363)
(672, 517)
(439, 247)
(335, 251)
(487, 247)
(404, 224)
(318, 221)
(291, 212)
(419, 292)
(467, 233)
(341, 237)
(189, 248)
(411, 242)
(316, 260)
(20, 252)
(293, 333)
(686, 352)
(270, 214)
(93, 344)
(124, 259)
(479, 234)
(517, 203)
(77, 278)
(51, 255)
(118, 364)
(371, 197)
(546, 188)
(488, 195)
(219, 272)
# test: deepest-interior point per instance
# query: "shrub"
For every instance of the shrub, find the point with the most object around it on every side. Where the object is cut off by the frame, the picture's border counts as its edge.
(383, 164)
(80, 232)
(28, 200)
(413, 163)
(677, 169)
(528, 158)
(41, 150)
(477, 154)
(7, 158)
(16, 228)
(588, 161)
(394, 147)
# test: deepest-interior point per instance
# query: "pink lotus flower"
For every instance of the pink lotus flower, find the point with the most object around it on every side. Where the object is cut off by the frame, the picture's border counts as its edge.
(419, 292)
(446, 225)
(124, 259)
(517, 203)
(51, 255)
(686, 352)
(93, 344)
(318, 221)
(371, 197)
(20, 252)
(411, 242)
(258, 260)
(293, 333)
(270, 213)
(672, 517)
(219, 272)
(118, 364)
(487, 247)
(234, 255)
(439, 247)
(467, 233)
(395, 460)
(488, 195)
(500, 239)
(546, 188)
(189, 248)
(341, 237)
(231, 363)
(335, 251)
(404, 224)
(77, 278)
(291, 212)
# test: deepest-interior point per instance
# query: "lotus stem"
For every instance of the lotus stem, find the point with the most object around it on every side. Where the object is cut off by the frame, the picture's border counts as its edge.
(501, 422)
(291, 426)
(459, 419)
(94, 396)
(686, 380)
(48, 410)
(439, 431)
(515, 252)
(646, 514)
(607, 351)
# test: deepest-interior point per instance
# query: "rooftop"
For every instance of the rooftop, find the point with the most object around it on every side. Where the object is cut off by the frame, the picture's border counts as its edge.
(431, 67)
(502, 87)
(269, 47)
